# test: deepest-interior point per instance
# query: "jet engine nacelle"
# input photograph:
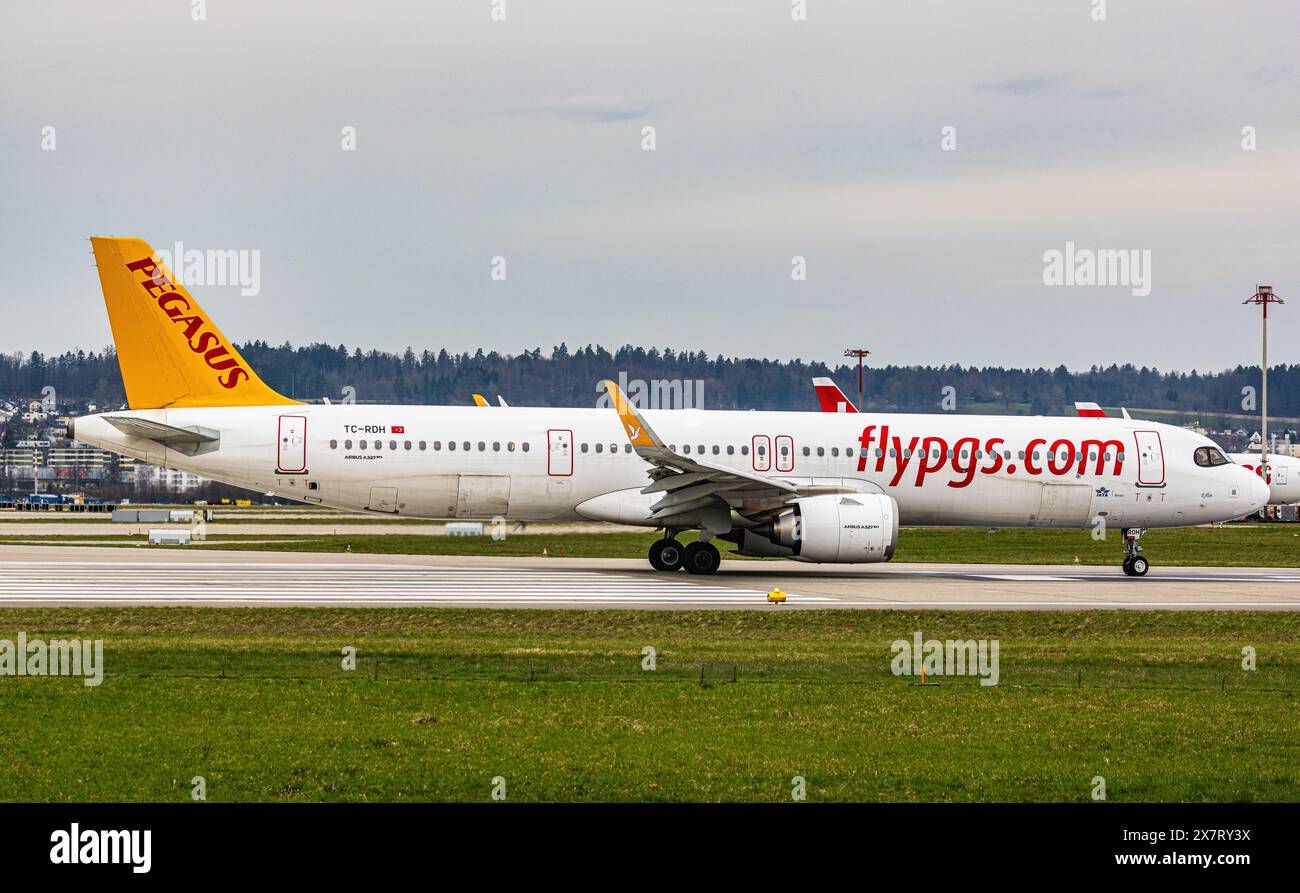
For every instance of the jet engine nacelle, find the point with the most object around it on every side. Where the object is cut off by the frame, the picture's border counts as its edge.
(841, 528)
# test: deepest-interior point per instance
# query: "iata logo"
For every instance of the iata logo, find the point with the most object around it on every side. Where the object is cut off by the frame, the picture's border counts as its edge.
(160, 287)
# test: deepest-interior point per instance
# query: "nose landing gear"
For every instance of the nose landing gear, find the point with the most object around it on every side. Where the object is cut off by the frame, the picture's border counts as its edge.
(1134, 564)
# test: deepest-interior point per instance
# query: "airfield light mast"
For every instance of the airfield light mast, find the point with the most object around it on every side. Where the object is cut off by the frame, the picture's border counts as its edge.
(860, 353)
(1263, 297)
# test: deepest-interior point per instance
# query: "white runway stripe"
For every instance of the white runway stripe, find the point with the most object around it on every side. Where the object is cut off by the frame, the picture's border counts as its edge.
(106, 582)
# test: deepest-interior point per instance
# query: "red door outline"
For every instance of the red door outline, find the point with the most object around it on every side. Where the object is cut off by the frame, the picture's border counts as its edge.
(766, 458)
(1159, 451)
(287, 454)
(559, 463)
(786, 463)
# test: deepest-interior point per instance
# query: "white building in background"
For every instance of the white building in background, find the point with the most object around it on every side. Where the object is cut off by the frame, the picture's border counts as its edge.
(175, 481)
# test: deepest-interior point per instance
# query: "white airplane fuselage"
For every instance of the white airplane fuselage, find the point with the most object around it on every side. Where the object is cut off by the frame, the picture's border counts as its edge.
(570, 464)
(1283, 478)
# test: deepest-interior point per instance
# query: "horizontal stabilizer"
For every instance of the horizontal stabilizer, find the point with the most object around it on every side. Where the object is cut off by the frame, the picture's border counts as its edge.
(190, 441)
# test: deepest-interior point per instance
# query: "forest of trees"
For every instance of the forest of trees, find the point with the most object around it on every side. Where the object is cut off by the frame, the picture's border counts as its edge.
(569, 377)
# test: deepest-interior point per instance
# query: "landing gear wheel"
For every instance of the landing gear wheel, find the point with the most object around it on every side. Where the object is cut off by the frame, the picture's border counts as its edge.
(702, 558)
(666, 555)
(1134, 564)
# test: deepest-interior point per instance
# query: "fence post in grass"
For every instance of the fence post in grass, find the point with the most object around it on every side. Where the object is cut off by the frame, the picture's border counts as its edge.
(223, 666)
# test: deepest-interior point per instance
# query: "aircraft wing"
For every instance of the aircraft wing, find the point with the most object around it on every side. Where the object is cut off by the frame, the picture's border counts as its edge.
(190, 441)
(690, 484)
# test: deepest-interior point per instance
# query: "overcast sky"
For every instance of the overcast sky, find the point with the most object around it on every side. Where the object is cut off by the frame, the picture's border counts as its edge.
(774, 138)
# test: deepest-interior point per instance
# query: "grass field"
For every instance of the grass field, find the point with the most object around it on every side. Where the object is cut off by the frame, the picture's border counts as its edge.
(1240, 545)
(558, 704)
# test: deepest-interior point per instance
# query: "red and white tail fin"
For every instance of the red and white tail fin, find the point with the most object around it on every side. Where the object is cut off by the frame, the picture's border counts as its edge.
(831, 397)
(1090, 410)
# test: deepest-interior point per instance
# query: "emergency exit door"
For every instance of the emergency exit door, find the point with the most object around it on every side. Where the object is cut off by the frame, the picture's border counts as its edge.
(292, 455)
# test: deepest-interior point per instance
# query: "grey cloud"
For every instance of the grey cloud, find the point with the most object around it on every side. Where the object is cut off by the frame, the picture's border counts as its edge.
(597, 109)
(1056, 86)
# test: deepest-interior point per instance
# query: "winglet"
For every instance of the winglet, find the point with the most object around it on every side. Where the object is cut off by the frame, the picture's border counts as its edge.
(1125, 412)
(479, 401)
(640, 434)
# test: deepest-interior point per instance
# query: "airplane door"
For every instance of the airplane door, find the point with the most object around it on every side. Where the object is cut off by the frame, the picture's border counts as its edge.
(1064, 505)
(383, 499)
(483, 495)
(292, 454)
(762, 450)
(559, 453)
(1151, 459)
(784, 452)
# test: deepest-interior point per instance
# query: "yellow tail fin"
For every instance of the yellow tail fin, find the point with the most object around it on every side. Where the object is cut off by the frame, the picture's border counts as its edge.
(170, 351)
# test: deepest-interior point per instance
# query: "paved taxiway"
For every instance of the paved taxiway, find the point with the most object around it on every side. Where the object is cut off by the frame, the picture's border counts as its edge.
(53, 576)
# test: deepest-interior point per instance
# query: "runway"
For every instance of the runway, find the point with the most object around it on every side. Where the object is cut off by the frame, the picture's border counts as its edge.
(35, 576)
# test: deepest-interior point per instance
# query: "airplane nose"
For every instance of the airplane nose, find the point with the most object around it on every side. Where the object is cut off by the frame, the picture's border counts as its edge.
(1257, 492)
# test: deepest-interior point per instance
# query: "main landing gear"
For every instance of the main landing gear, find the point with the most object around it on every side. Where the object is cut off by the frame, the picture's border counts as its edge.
(1134, 564)
(697, 558)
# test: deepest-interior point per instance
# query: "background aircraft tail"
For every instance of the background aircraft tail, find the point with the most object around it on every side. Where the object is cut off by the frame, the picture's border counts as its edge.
(170, 351)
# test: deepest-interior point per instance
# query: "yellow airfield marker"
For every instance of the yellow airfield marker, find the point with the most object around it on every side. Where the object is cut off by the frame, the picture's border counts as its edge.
(776, 597)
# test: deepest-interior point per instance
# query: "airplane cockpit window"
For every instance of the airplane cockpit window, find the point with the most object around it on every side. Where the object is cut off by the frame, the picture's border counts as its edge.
(1208, 457)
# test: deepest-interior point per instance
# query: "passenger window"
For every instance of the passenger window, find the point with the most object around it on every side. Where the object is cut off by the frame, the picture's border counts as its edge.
(700, 449)
(496, 446)
(347, 444)
(424, 445)
(334, 444)
(807, 451)
(600, 448)
(583, 447)
(525, 446)
(451, 444)
(465, 446)
(686, 448)
(716, 449)
(363, 444)
(744, 450)
(835, 451)
(482, 445)
(821, 451)
(510, 446)
(392, 445)
(406, 445)
(613, 447)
